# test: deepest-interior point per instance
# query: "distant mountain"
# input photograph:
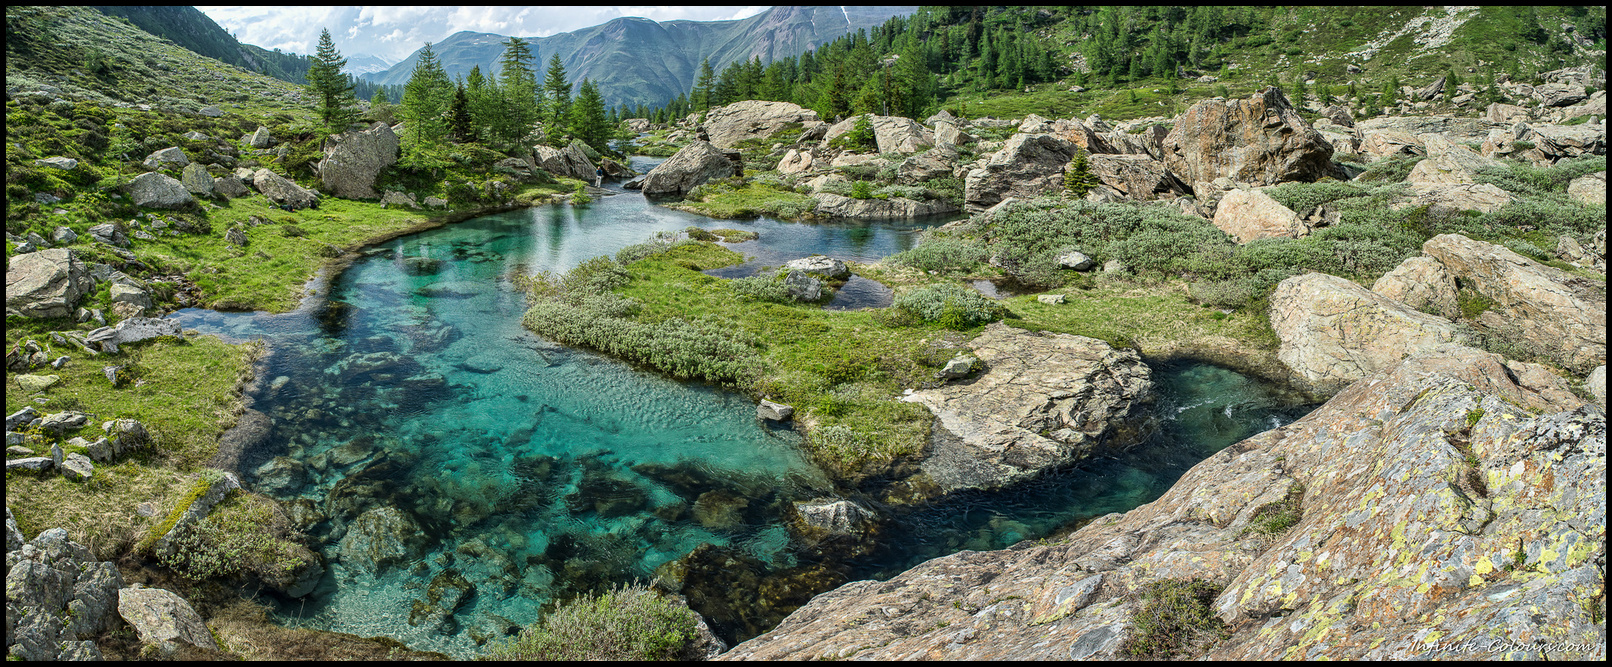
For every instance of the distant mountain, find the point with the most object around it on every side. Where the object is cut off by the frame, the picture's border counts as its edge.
(636, 60)
(361, 64)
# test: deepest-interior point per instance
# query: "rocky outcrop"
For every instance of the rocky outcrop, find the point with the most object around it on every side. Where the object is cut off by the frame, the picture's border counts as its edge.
(1435, 504)
(1027, 166)
(1260, 140)
(163, 619)
(1459, 197)
(1423, 284)
(353, 160)
(1447, 163)
(1506, 114)
(1334, 332)
(281, 191)
(1589, 188)
(1379, 144)
(218, 488)
(893, 134)
(154, 190)
(1136, 176)
(753, 119)
(58, 597)
(1557, 313)
(568, 162)
(47, 283)
(836, 206)
(1042, 401)
(1246, 215)
(695, 164)
(937, 162)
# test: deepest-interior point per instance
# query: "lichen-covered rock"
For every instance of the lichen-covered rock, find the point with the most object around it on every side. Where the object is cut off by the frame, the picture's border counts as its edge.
(353, 160)
(938, 162)
(753, 119)
(219, 487)
(1447, 163)
(1335, 332)
(260, 138)
(1260, 140)
(569, 162)
(163, 619)
(281, 191)
(892, 134)
(1553, 311)
(45, 284)
(1435, 499)
(692, 166)
(1481, 197)
(1043, 400)
(1423, 284)
(800, 286)
(56, 595)
(1136, 176)
(230, 187)
(1386, 143)
(1589, 188)
(172, 156)
(1246, 215)
(795, 162)
(196, 180)
(1027, 166)
(154, 190)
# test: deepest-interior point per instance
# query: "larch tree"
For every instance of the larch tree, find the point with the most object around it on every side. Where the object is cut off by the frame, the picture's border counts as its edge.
(426, 99)
(557, 90)
(332, 90)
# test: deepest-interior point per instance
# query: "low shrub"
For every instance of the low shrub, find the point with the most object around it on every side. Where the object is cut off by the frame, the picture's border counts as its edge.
(942, 255)
(627, 623)
(949, 304)
(861, 190)
(1174, 616)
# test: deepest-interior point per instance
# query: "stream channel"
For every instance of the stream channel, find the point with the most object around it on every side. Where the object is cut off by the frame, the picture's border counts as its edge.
(439, 454)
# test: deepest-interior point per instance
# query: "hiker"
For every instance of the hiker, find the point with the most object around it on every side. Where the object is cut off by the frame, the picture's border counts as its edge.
(598, 177)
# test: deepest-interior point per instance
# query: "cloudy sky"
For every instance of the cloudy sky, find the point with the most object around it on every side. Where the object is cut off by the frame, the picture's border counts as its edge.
(395, 32)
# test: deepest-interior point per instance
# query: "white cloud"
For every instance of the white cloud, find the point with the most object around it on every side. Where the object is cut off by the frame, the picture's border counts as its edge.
(395, 32)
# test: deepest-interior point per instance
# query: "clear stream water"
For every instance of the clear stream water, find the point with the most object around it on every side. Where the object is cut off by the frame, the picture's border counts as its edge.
(537, 471)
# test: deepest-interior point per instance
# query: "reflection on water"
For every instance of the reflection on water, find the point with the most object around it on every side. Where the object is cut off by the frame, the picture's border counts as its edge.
(458, 472)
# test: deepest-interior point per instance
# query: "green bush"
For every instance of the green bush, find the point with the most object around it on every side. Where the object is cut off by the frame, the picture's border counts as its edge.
(1077, 178)
(949, 304)
(1523, 179)
(861, 190)
(1173, 616)
(1390, 170)
(235, 538)
(628, 623)
(860, 138)
(942, 255)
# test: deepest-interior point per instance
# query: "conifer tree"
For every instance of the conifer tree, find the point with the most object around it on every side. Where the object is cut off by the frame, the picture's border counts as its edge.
(557, 92)
(485, 102)
(332, 90)
(1078, 178)
(517, 83)
(704, 87)
(426, 98)
(460, 129)
(588, 122)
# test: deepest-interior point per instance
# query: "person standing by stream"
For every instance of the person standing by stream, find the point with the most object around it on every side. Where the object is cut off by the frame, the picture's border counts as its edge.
(598, 177)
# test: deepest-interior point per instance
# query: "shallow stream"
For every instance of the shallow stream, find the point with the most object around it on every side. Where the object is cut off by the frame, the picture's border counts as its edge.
(535, 471)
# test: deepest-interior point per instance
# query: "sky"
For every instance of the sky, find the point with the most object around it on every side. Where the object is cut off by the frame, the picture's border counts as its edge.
(395, 32)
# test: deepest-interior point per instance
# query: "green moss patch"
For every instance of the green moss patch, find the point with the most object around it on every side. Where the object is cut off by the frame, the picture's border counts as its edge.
(629, 623)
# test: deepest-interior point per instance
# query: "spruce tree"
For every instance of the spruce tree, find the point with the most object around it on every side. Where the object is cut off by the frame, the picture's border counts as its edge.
(460, 129)
(426, 98)
(588, 122)
(704, 87)
(332, 90)
(1078, 178)
(517, 82)
(557, 91)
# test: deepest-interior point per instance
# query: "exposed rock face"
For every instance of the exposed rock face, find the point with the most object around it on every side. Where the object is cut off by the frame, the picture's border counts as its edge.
(162, 618)
(1378, 144)
(1423, 284)
(695, 164)
(1596, 383)
(1335, 332)
(752, 119)
(353, 160)
(1461, 197)
(1506, 114)
(893, 134)
(156, 190)
(1558, 313)
(1260, 140)
(1246, 215)
(1447, 163)
(281, 191)
(1075, 390)
(1136, 176)
(836, 206)
(47, 283)
(1410, 515)
(937, 162)
(946, 132)
(1027, 166)
(569, 162)
(1589, 188)
(795, 162)
(57, 597)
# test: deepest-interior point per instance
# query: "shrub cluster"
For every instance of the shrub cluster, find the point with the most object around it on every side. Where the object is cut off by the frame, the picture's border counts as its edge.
(951, 305)
(942, 254)
(627, 623)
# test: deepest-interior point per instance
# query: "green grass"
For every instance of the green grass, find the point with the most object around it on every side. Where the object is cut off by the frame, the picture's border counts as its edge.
(629, 623)
(1276, 518)
(749, 201)
(1174, 618)
(187, 394)
(1157, 320)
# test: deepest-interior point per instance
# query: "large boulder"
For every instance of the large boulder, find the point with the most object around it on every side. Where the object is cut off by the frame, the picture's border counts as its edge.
(836, 206)
(196, 180)
(1549, 310)
(753, 119)
(217, 488)
(47, 283)
(230, 187)
(795, 162)
(259, 139)
(937, 162)
(1559, 95)
(695, 164)
(172, 156)
(823, 265)
(893, 134)
(568, 162)
(1027, 166)
(57, 596)
(1043, 400)
(154, 190)
(1506, 114)
(353, 160)
(281, 191)
(1379, 144)
(163, 619)
(1136, 176)
(1423, 284)
(1246, 215)
(1334, 332)
(1447, 163)
(1440, 498)
(1457, 197)
(1260, 140)
(1589, 188)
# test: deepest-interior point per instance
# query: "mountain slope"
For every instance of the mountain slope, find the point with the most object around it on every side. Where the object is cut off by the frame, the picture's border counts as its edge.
(635, 60)
(193, 30)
